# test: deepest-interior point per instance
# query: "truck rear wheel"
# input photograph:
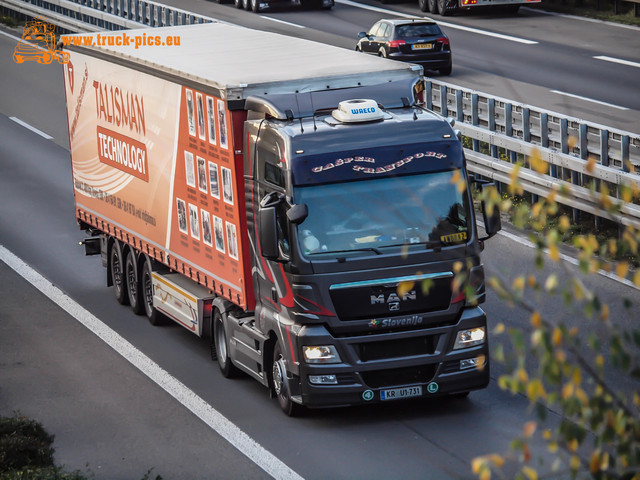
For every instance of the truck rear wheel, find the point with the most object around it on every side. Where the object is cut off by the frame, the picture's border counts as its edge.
(228, 369)
(134, 287)
(146, 284)
(281, 385)
(116, 266)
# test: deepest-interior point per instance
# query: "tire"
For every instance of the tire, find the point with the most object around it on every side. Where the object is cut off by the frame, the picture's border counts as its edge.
(116, 266)
(146, 284)
(432, 6)
(238, 3)
(246, 4)
(228, 369)
(423, 5)
(442, 8)
(254, 6)
(382, 53)
(134, 286)
(446, 70)
(280, 385)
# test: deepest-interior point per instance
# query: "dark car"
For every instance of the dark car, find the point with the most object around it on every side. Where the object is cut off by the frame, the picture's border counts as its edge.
(416, 41)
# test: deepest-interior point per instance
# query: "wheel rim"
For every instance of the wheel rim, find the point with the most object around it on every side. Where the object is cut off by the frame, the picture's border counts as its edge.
(278, 378)
(131, 278)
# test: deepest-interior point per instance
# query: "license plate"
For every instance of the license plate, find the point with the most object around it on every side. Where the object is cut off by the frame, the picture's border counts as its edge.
(398, 393)
(422, 46)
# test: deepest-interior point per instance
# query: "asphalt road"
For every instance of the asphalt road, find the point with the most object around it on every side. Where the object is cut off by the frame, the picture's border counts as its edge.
(126, 416)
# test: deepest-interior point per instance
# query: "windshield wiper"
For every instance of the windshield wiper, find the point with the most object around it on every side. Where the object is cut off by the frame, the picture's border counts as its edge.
(364, 249)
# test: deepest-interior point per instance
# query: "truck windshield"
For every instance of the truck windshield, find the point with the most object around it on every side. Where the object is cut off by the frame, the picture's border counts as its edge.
(369, 215)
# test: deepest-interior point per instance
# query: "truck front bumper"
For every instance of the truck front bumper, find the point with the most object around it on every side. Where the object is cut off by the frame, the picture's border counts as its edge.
(441, 371)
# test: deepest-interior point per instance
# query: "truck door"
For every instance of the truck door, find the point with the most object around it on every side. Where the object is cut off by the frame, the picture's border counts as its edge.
(269, 167)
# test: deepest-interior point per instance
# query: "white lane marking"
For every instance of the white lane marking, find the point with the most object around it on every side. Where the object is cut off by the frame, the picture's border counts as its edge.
(282, 21)
(617, 60)
(566, 258)
(17, 39)
(33, 129)
(209, 415)
(586, 99)
(444, 24)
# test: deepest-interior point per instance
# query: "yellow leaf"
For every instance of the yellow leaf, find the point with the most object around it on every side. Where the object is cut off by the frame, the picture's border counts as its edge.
(605, 312)
(404, 288)
(486, 474)
(573, 445)
(530, 473)
(594, 462)
(457, 266)
(455, 178)
(531, 280)
(576, 377)
(622, 269)
(536, 320)
(626, 193)
(591, 165)
(575, 462)
(604, 462)
(551, 283)
(529, 429)
(536, 161)
(582, 396)
(518, 283)
(572, 141)
(536, 209)
(636, 278)
(522, 375)
(600, 361)
(554, 253)
(560, 356)
(477, 464)
(565, 223)
(557, 337)
(636, 399)
(499, 328)
(553, 447)
(535, 390)
(496, 459)
(567, 390)
(546, 434)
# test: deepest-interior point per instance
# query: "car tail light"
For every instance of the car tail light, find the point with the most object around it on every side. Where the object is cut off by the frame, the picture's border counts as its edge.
(445, 43)
(396, 43)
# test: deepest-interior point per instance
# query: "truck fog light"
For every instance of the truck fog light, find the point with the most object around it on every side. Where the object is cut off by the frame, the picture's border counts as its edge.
(469, 363)
(469, 338)
(323, 379)
(321, 354)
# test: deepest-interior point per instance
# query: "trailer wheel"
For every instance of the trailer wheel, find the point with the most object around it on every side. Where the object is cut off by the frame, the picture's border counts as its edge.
(238, 3)
(442, 7)
(155, 317)
(281, 385)
(228, 369)
(423, 5)
(432, 6)
(134, 287)
(116, 266)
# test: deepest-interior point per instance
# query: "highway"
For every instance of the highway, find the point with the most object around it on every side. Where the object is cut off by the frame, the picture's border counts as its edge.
(417, 439)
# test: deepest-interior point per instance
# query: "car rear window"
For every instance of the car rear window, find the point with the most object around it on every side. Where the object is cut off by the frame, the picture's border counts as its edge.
(417, 30)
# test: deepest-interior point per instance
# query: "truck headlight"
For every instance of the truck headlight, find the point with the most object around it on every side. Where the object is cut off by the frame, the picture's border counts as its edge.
(321, 354)
(469, 337)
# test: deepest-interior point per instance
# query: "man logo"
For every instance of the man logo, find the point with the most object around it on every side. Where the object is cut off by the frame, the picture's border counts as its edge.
(393, 300)
(394, 306)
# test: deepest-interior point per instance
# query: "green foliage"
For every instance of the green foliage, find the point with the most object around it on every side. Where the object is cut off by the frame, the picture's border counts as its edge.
(565, 368)
(24, 443)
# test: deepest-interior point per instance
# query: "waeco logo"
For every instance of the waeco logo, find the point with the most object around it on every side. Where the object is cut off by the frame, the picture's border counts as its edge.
(360, 111)
(123, 153)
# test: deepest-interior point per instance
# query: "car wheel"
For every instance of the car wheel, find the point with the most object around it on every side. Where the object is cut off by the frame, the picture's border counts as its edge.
(423, 5)
(281, 385)
(446, 70)
(228, 369)
(134, 288)
(255, 6)
(382, 53)
(238, 3)
(246, 4)
(116, 265)
(432, 6)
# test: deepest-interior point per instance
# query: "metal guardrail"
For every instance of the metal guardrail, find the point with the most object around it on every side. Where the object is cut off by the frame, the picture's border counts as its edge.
(95, 15)
(504, 128)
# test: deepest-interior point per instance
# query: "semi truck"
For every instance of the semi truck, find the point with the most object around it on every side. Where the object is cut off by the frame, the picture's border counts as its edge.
(292, 202)
(449, 7)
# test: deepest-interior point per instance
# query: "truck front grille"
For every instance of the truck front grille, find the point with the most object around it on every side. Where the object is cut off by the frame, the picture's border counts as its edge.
(399, 376)
(404, 347)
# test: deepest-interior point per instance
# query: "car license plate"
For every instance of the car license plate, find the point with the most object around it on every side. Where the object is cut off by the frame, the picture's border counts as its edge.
(398, 393)
(422, 46)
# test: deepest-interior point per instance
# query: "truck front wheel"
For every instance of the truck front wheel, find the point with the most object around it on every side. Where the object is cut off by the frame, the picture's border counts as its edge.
(228, 369)
(281, 385)
(116, 266)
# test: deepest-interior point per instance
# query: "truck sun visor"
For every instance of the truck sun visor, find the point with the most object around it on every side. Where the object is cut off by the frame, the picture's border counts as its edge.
(359, 110)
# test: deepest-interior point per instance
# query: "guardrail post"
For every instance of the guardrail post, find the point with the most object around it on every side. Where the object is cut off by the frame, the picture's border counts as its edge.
(604, 147)
(492, 125)
(459, 106)
(508, 127)
(475, 119)
(428, 92)
(624, 153)
(443, 101)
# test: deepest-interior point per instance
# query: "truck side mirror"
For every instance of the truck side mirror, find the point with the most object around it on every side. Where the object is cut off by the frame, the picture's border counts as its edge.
(492, 223)
(297, 213)
(268, 232)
